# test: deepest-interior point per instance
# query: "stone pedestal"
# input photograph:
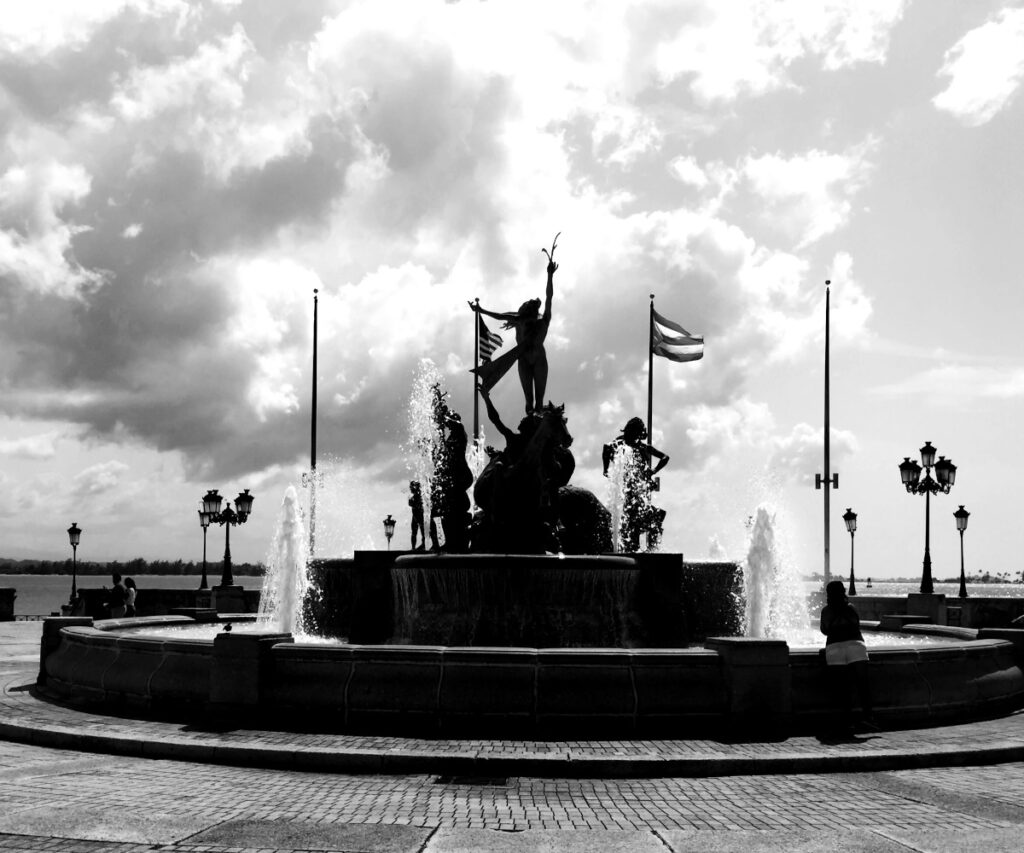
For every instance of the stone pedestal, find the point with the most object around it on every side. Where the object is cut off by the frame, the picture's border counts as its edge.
(228, 599)
(932, 603)
(757, 679)
(241, 661)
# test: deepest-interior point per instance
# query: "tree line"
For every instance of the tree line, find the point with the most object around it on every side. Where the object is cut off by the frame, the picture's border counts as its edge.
(137, 566)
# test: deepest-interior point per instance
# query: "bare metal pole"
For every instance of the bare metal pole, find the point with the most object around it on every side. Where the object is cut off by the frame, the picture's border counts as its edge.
(650, 382)
(476, 365)
(828, 480)
(312, 437)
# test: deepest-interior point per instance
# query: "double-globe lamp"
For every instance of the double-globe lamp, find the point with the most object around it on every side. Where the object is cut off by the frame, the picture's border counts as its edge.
(226, 518)
(945, 476)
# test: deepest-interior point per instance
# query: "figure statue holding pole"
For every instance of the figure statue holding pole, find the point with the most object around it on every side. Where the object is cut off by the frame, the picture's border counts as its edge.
(531, 327)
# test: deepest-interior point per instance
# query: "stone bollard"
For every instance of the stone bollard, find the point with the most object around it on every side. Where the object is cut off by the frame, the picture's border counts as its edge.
(758, 683)
(50, 641)
(241, 661)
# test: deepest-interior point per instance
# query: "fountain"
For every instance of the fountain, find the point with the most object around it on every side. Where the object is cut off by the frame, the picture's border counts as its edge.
(519, 641)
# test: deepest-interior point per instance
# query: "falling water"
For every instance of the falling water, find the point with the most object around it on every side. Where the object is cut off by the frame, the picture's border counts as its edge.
(775, 602)
(286, 580)
(618, 473)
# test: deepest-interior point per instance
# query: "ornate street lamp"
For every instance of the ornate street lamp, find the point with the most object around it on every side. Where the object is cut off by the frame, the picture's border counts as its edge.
(945, 476)
(226, 518)
(961, 516)
(389, 528)
(74, 535)
(850, 519)
(204, 522)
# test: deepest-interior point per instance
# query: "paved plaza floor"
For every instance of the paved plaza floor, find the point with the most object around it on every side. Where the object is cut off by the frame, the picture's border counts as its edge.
(79, 781)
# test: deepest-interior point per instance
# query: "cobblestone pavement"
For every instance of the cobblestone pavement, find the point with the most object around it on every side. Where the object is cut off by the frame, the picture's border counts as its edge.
(70, 800)
(53, 799)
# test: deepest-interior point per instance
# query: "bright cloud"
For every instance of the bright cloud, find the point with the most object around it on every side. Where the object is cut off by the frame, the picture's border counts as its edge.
(732, 49)
(809, 195)
(985, 68)
(42, 446)
(98, 479)
(955, 383)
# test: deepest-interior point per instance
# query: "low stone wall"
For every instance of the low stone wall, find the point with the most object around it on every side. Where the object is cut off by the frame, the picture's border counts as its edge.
(158, 601)
(971, 612)
(735, 683)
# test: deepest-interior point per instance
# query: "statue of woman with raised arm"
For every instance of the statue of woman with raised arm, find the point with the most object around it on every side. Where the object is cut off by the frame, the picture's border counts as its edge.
(531, 329)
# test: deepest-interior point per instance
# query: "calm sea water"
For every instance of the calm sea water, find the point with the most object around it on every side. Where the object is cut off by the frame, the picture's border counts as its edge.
(41, 595)
(950, 590)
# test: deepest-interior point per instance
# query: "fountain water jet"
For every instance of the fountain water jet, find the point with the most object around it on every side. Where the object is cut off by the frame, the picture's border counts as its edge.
(775, 603)
(286, 582)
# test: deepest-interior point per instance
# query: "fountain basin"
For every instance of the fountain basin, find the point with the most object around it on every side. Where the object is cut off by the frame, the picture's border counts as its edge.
(736, 682)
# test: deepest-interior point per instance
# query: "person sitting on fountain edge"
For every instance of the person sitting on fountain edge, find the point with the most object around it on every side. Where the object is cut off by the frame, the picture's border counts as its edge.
(531, 329)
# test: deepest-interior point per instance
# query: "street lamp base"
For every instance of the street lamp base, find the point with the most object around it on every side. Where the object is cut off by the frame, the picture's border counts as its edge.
(228, 599)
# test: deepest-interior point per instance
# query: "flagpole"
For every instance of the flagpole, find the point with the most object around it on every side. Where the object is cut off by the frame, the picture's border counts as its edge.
(828, 438)
(650, 381)
(312, 438)
(828, 481)
(476, 364)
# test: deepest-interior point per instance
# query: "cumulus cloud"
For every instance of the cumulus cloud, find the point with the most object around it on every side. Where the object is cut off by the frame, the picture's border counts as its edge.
(808, 195)
(98, 479)
(798, 455)
(747, 48)
(958, 382)
(178, 178)
(41, 446)
(984, 69)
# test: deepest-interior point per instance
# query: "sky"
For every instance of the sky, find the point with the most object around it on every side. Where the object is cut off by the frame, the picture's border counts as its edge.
(176, 178)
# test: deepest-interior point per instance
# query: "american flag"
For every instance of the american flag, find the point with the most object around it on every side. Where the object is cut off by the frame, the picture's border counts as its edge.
(489, 341)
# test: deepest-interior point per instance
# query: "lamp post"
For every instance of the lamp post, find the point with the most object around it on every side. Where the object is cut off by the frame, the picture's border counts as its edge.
(204, 522)
(389, 529)
(227, 518)
(850, 519)
(961, 516)
(945, 476)
(74, 535)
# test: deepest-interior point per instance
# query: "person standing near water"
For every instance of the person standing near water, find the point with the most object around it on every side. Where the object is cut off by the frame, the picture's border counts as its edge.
(117, 598)
(846, 655)
(130, 591)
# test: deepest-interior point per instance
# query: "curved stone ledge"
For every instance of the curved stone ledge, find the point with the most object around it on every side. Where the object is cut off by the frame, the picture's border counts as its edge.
(736, 681)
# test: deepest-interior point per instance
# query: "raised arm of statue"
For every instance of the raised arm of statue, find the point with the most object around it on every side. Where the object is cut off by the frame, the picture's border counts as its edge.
(552, 266)
(506, 316)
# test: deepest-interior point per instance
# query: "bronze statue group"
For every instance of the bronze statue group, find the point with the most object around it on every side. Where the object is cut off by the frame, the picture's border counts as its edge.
(524, 501)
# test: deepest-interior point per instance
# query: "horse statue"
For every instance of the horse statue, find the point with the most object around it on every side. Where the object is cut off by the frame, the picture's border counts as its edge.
(517, 492)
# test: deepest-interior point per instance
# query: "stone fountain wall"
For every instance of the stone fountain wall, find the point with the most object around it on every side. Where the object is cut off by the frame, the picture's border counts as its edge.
(620, 601)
